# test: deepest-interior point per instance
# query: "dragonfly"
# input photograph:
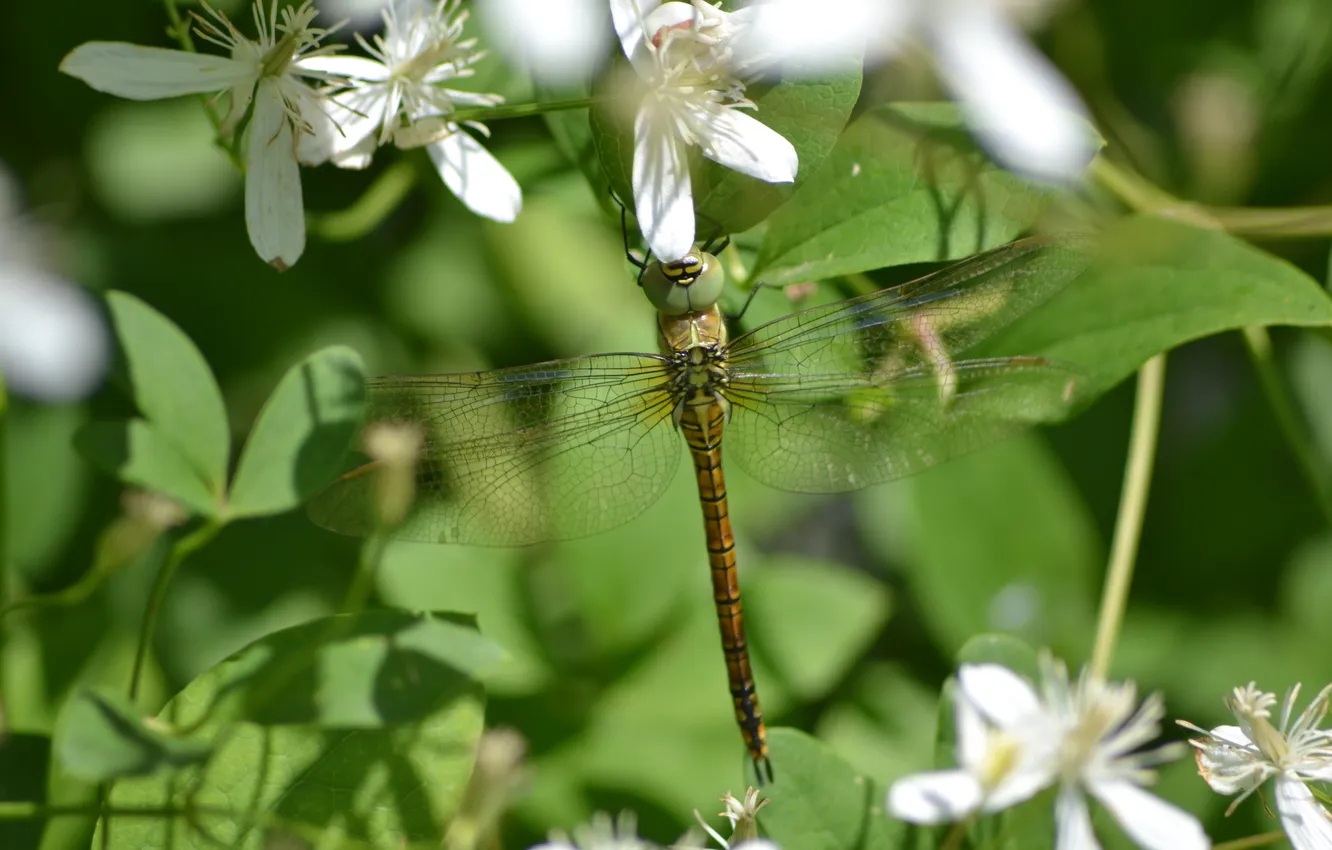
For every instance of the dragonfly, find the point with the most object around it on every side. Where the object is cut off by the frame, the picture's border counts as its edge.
(830, 399)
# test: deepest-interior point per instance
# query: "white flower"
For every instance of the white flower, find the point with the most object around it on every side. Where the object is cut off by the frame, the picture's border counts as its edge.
(560, 41)
(399, 95)
(53, 341)
(743, 816)
(1081, 737)
(1239, 759)
(683, 53)
(265, 75)
(1023, 111)
(601, 834)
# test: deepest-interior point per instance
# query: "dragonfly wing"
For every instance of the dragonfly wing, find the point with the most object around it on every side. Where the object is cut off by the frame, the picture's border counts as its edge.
(932, 319)
(517, 456)
(874, 388)
(816, 434)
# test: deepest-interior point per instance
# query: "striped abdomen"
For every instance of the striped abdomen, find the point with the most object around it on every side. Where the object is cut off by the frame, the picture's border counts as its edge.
(702, 425)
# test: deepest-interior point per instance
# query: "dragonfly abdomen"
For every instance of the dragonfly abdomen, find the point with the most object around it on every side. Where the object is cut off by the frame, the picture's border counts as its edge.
(702, 426)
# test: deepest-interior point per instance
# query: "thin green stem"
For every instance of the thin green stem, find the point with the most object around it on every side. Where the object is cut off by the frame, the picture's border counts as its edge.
(957, 834)
(374, 205)
(1261, 840)
(70, 596)
(1288, 418)
(1132, 508)
(182, 549)
(517, 110)
(367, 567)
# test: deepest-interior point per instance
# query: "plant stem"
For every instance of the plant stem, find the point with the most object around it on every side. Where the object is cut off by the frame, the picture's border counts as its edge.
(1262, 840)
(183, 548)
(382, 198)
(1258, 342)
(1132, 507)
(516, 110)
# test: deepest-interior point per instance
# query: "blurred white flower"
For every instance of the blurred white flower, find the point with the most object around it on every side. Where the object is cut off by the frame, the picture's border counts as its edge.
(265, 76)
(1239, 759)
(559, 41)
(1022, 110)
(684, 54)
(53, 340)
(601, 834)
(398, 94)
(1083, 737)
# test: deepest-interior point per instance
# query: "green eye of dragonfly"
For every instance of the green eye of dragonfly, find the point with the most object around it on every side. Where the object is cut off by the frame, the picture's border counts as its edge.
(690, 284)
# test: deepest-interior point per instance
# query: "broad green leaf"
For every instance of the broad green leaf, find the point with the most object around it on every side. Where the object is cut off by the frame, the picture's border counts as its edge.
(810, 621)
(136, 452)
(298, 443)
(884, 727)
(1004, 542)
(100, 736)
(809, 112)
(173, 386)
(1159, 284)
(905, 184)
(819, 802)
(362, 726)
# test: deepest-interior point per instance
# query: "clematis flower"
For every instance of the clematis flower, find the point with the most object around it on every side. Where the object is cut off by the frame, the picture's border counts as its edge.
(743, 815)
(1239, 759)
(265, 79)
(601, 834)
(694, 96)
(400, 95)
(1019, 106)
(53, 340)
(1082, 737)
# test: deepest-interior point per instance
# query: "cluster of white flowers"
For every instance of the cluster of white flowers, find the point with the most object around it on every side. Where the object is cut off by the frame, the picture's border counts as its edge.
(297, 102)
(1239, 759)
(603, 833)
(1084, 737)
(292, 101)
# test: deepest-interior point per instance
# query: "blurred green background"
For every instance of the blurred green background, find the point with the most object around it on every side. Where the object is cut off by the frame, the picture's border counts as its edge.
(856, 604)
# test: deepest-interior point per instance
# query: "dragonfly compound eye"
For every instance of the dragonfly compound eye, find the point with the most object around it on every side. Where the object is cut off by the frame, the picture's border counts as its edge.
(690, 284)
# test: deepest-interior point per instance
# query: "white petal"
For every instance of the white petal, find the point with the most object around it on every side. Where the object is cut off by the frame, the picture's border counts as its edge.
(1304, 819)
(1231, 769)
(476, 177)
(1073, 829)
(1001, 696)
(274, 212)
(152, 73)
(972, 732)
(560, 41)
(809, 42)
(344, 124)
(936, 797)
(355, 67)
(1024, 113)
(53, 341)
(731, 138)
(628, 17)
(1150, 821)
(663, 197)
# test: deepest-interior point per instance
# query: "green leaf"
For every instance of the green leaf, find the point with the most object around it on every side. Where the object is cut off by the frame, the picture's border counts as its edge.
(363, 727)
(136, 452)
(173, 386)
(808, 111)
(301, 436)
(811, 620)
(905, 184)
(982, 560)
(1156, 285)
(100, 736)
(819, 802)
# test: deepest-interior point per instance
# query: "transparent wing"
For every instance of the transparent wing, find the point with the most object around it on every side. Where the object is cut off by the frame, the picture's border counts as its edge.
(828, 434)
(516, 456)
(873, 388)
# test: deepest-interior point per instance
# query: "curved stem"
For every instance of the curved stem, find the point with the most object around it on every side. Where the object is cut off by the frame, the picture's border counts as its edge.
(183, 548)
(1259, 344)
(1132, 507)
(374, 205)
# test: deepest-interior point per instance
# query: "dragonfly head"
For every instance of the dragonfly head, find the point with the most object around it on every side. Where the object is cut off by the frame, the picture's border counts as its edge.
(690, 284)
